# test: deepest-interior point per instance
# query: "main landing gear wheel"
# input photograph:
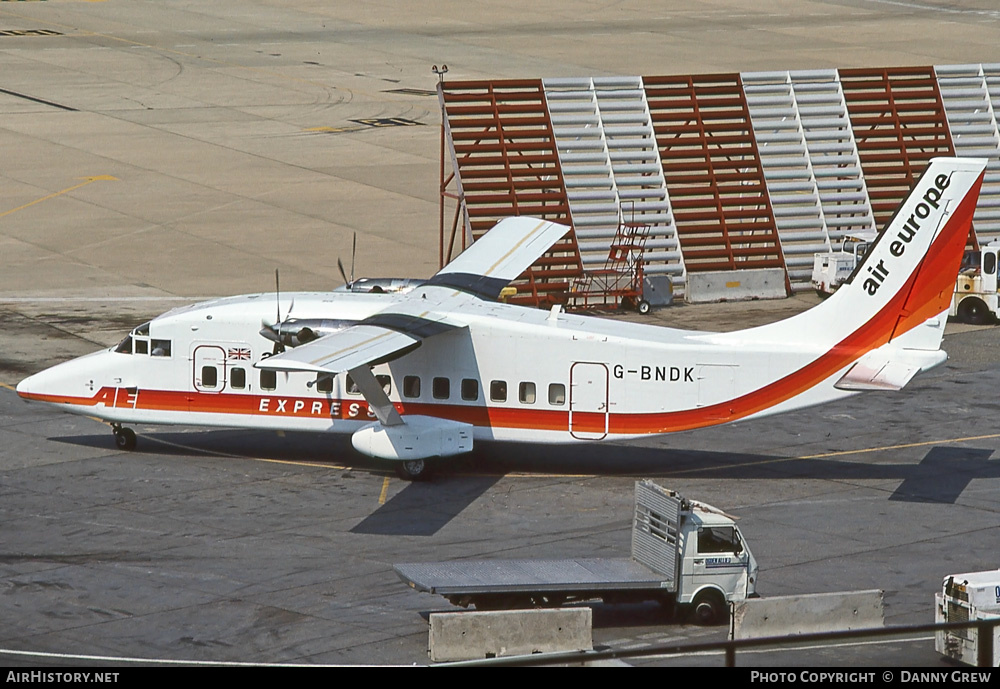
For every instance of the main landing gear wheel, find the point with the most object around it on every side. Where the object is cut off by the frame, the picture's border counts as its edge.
(124, 438)
(413, 469)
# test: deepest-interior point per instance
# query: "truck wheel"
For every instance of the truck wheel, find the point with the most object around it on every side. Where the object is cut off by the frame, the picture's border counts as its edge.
(413, 470)
(709, 607)
(643, 307)
(973, 311)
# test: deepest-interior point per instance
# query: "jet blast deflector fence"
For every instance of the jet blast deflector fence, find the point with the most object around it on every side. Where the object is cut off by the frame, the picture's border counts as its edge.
(728, 171)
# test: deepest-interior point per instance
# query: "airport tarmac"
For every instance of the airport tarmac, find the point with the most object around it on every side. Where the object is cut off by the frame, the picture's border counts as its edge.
(231, 546)
(155, 153)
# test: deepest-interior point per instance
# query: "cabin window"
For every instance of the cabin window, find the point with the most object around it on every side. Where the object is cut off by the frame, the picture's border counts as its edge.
(526, 393)
(324, 383)
(237, 378)
(557, 394)
(498, 391)
(470, 389)
(209, 375)
(141, 346)
(383, 380)
(125, 346)
(352, 387)
(386, 383)
(718, 539)
(268, 380)
(990, 263)
(411, 386)
(441, 388)
(160, 347)
(142, 329)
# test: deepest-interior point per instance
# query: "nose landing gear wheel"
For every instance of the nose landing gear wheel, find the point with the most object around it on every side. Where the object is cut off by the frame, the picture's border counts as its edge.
(124, 438)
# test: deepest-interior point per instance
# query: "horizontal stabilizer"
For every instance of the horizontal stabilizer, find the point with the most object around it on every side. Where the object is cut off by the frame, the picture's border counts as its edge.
(884, 375)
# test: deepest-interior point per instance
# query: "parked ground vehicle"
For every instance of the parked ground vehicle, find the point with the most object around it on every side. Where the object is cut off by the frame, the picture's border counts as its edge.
(830, 269)
(966, 598)
(683, 553)
(976, 297)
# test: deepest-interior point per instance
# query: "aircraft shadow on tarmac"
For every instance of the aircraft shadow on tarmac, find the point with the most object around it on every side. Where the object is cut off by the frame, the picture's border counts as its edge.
(423, 508)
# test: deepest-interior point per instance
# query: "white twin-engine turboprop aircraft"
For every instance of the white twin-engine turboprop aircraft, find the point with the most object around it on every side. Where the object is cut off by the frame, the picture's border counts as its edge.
(423, 373)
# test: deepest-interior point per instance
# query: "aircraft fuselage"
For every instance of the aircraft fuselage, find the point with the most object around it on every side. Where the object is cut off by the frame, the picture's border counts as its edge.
(515, 374)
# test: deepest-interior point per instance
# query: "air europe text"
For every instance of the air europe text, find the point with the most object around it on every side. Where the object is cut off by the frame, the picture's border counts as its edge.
(897, 245)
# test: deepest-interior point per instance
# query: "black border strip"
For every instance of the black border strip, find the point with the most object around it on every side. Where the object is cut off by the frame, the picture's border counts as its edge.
(38, 100)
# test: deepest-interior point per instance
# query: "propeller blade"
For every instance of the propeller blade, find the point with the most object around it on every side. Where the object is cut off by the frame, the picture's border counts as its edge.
(340, 267)
(277, 295)
(354, 252)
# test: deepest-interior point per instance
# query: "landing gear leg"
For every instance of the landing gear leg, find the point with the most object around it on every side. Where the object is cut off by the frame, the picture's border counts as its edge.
(124, 437)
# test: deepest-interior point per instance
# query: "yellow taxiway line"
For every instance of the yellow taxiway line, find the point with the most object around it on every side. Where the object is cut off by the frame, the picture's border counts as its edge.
(87, 180)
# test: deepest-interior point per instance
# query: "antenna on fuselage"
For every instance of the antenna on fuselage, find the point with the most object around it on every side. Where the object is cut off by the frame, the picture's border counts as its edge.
(279, 347)
(340, 264)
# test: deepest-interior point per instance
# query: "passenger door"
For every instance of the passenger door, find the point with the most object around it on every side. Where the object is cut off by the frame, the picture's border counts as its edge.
(208, 372)
(588, 400)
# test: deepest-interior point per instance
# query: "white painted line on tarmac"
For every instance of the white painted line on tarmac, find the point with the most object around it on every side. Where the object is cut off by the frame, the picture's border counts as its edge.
(161, 661)
(72, 300)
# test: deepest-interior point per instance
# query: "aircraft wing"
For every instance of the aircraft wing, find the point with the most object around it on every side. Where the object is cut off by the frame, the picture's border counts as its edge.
(435, 307)
(380, 338)
(499, 256)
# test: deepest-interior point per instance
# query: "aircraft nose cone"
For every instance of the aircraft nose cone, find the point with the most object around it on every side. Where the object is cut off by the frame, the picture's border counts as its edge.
(24, 388)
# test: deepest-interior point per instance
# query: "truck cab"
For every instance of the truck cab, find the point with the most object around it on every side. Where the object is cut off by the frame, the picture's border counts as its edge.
(716, 565)
(975, 297)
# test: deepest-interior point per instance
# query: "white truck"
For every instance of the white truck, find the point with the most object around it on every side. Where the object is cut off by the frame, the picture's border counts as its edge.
(832, 268)
(976, 299)
(967, 598)
(683, 553)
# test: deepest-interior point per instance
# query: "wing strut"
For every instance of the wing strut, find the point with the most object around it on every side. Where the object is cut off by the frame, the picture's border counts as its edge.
(375, 395)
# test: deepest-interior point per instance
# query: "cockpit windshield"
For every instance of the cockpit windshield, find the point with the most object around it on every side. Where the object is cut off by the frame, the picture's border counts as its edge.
(139, 342)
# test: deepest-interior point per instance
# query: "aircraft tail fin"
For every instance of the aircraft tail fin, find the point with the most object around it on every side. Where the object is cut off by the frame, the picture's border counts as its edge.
(889, 317)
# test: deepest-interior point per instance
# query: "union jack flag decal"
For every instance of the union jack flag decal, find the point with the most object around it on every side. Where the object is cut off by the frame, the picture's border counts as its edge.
(239, 353)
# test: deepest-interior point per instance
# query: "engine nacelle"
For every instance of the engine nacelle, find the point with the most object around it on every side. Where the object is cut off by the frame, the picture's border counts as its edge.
(420, 437)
